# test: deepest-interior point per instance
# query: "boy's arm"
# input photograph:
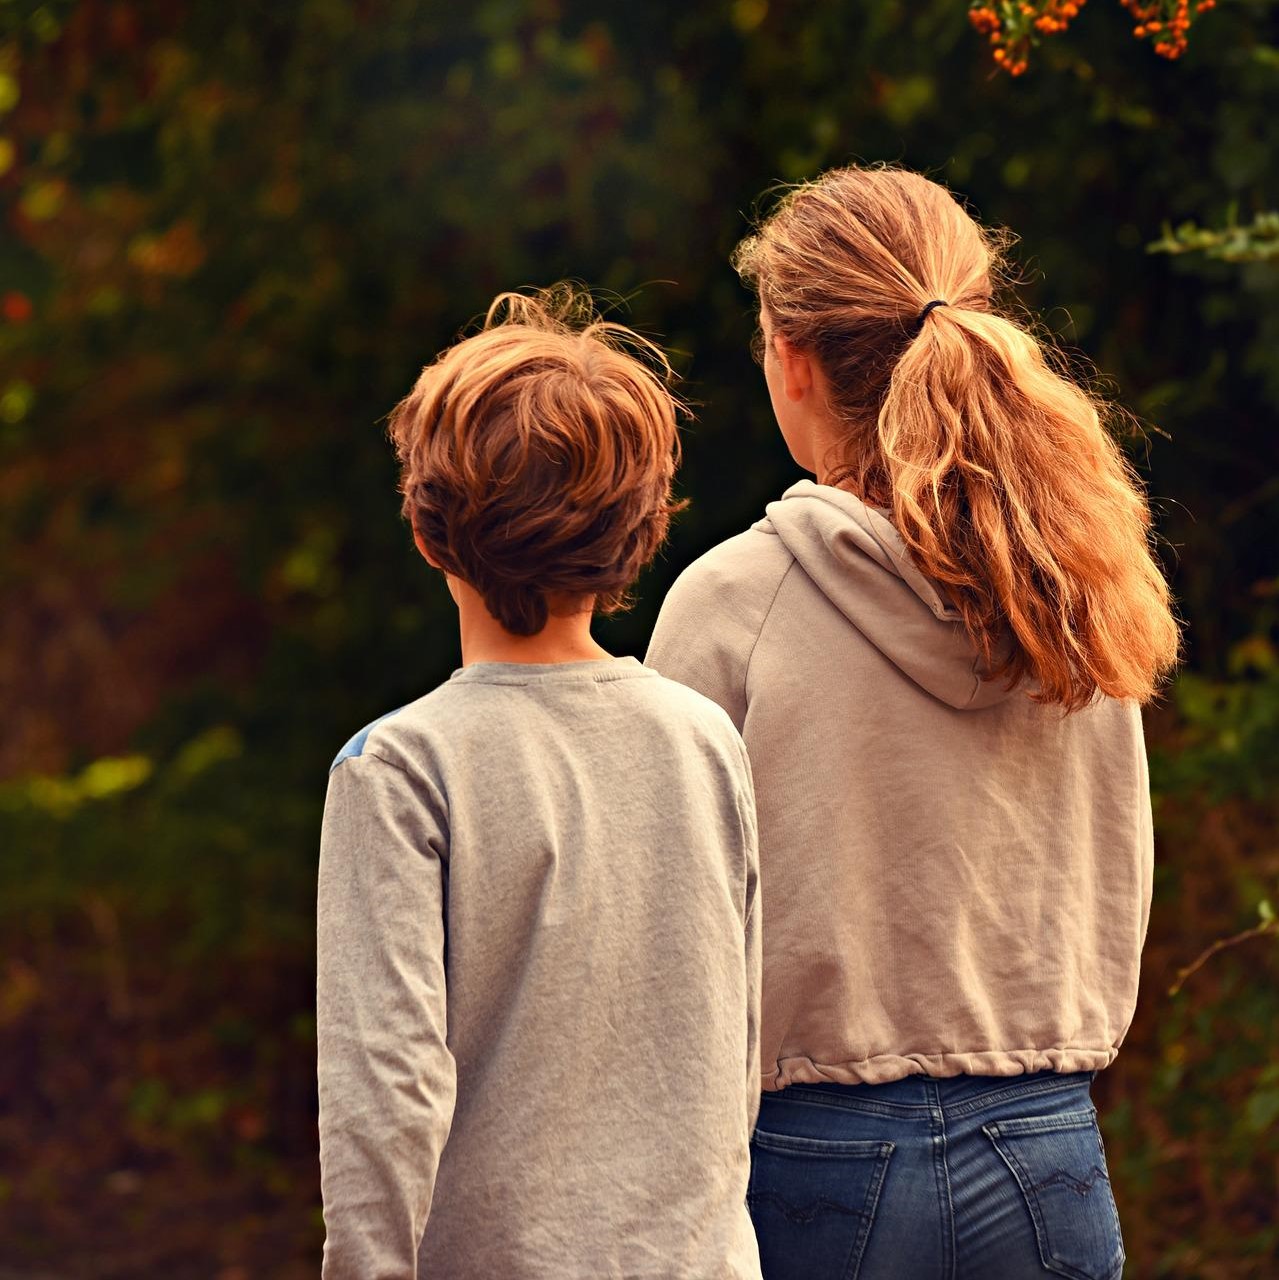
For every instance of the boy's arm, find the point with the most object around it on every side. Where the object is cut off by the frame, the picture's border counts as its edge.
(386, 1077)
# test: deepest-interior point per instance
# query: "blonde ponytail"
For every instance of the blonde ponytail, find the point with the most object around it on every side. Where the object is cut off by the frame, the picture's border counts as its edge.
(1001, 476)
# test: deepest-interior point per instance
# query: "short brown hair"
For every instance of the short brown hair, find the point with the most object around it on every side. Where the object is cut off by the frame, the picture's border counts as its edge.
(536, 456)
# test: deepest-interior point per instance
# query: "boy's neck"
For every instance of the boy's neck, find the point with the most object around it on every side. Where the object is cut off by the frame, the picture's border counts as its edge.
(565, 638)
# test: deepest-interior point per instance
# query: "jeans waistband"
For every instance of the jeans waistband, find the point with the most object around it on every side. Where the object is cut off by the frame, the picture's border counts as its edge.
(922, 1092)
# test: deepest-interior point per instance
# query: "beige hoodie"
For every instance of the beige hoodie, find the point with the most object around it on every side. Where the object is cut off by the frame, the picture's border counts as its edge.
(954, 878)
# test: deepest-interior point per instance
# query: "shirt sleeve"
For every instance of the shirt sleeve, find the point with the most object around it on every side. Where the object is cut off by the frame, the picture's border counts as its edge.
(387, 1080)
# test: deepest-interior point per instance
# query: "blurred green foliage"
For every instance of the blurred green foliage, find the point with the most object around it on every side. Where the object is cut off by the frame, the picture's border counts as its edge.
(234, 232)
(1255, 241)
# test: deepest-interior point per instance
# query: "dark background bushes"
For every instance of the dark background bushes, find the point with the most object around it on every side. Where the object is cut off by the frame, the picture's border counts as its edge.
(233, 232)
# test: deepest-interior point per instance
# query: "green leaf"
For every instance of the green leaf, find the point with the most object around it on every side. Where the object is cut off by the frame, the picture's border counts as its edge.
(1262, 1110)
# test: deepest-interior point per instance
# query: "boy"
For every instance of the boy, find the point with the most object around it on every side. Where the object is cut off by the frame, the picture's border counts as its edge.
(538, 935)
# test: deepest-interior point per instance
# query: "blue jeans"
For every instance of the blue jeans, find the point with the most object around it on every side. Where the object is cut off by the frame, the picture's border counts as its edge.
(971, 1178)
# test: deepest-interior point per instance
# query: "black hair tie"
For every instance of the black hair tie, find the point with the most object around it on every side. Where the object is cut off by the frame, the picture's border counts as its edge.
(923, 315)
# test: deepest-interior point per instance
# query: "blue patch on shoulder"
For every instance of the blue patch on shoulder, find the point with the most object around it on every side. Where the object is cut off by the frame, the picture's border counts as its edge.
(355, 746)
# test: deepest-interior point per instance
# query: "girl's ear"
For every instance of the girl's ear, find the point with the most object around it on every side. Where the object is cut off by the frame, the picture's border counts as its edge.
(796, 367)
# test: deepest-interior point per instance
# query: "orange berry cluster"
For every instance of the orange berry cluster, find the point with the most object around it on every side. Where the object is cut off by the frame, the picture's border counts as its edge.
(1165, 22)
(1013, 27)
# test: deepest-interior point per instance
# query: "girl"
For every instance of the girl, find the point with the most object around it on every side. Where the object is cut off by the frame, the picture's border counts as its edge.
(936, 656)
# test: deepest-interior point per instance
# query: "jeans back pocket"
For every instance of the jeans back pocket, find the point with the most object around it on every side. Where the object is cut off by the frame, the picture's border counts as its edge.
(813, 1202)
(1060, 1165)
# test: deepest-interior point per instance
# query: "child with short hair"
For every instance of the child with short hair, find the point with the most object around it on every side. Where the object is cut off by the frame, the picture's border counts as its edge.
(538, 936)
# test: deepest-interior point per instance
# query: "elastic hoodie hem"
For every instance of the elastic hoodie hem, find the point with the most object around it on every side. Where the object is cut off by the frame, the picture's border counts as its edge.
(886, 1067)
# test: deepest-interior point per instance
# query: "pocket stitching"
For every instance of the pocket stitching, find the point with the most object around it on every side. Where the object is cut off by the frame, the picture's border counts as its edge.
(828, 1148)
(1114, 1208)
(879, 1152)
(870, 1209)
(1032, 1204)
(1036, 1125)
(1017, 1125)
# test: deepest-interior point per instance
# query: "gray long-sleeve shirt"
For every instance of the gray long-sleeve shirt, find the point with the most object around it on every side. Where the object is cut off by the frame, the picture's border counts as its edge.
(538, 983)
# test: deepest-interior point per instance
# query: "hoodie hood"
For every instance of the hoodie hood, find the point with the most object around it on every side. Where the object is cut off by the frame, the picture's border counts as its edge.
(858, 560)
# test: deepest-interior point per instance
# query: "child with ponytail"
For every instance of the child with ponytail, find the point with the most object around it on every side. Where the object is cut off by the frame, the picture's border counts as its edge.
(936, 654)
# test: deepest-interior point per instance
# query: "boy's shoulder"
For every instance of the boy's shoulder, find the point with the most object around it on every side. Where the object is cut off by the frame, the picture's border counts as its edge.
(389, 734)
(684, 709)
(442, 722)
(678, 700)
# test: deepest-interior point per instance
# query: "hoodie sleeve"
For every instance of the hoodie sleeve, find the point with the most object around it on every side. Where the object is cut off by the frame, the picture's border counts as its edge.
(386, 1076)
(712, 617)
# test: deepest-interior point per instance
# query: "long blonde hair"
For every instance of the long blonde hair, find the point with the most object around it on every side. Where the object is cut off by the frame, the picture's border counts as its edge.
(1001, 476)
